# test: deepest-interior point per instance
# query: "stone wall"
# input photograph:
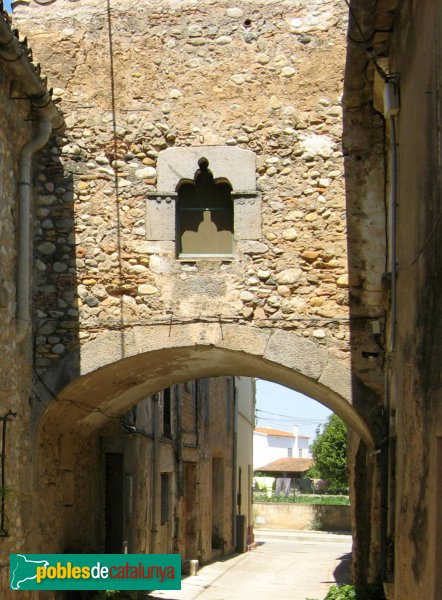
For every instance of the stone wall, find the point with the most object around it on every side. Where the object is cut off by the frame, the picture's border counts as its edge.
(136, 82)
(72, 491)
(246, 75)
(405, 281)
(15, 367)
(301, 516)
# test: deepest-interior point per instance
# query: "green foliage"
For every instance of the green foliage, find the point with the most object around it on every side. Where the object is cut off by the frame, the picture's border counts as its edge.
(329, 452)
(372, 591)
(304, 499)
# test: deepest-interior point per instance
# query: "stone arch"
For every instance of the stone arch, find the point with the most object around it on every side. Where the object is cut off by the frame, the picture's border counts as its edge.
(120, 368)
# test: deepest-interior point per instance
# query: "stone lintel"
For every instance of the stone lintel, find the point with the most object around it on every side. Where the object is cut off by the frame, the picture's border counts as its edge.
(236, 165)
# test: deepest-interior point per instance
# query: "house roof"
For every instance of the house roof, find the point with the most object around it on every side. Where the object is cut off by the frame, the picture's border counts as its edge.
(16, 57)
(278, 432)
(293, 465)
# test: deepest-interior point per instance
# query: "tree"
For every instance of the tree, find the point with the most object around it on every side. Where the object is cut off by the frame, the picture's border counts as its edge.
(329, 452)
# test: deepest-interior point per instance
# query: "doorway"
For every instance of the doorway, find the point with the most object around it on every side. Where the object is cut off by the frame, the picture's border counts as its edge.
(218, 540)
(114, 503)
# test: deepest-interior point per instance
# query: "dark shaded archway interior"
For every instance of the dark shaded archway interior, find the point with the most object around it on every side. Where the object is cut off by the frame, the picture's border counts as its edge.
(107, 392)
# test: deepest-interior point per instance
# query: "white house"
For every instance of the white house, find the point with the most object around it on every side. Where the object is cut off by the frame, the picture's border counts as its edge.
(270, 444)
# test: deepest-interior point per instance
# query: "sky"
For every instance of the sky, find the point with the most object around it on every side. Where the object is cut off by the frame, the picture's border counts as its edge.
(281, 408)
(7, 4)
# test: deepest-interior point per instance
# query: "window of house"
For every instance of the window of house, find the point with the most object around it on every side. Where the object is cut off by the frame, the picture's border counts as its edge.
(206, 203)
(206, 396)
(167, 414)
(229, 404)
(204, 215)
(164, 498)
(290, 452)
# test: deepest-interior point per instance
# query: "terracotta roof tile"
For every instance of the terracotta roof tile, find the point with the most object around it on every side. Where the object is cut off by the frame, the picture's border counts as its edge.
(297, 465)
(278, 432)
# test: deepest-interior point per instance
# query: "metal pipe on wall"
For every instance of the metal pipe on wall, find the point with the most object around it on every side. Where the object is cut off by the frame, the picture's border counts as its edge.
(23, 316)
(155, 473)
(233, 397)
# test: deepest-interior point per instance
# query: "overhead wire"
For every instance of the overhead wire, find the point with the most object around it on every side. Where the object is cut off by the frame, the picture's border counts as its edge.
(179, 320)
(290, 416)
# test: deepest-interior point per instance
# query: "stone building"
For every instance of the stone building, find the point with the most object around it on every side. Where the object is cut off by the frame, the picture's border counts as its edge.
(392, 144)
(170, 475)
(27, 118)
(245, 390)
(189, 223)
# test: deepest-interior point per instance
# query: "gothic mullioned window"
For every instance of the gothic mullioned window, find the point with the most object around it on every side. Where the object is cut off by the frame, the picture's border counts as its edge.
(206, 204)
(204, 215)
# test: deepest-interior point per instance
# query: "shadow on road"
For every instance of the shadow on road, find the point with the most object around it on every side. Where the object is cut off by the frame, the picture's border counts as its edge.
(342, 573)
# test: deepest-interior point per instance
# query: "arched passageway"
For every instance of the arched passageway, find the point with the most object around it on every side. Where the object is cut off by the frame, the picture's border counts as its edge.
(120, 368)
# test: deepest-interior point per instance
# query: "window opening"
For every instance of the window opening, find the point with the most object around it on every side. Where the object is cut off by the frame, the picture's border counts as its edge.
(167, 414)
(164, 498)
(204, 215)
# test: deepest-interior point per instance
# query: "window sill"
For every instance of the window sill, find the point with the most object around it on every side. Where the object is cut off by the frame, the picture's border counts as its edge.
(205, 257)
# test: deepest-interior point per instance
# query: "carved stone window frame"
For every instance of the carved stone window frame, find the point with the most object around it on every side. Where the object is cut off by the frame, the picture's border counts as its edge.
(236, 165)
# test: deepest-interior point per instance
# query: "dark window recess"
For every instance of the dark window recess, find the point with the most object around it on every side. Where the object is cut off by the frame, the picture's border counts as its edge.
(204, 383)
(204, 215)
(167, 414)
(164, 498)
(206, 410)
(229, 406)
(114, 502)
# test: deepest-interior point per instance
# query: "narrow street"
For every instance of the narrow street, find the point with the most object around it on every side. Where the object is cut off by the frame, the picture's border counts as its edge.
(295, 565)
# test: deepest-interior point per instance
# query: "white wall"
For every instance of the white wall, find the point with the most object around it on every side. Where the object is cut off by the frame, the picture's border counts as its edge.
(245, 397)
(267, 448)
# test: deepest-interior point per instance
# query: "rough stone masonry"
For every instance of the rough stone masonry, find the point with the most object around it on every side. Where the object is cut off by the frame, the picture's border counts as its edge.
(148, 90)
(135, 79)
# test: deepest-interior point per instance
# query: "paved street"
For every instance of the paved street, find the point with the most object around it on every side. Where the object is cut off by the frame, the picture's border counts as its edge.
(284, 565)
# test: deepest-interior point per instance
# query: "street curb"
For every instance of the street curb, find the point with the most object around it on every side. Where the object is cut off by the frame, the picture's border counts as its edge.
(301, 536)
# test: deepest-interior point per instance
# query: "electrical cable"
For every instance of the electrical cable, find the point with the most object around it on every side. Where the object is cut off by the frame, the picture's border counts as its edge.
(424, 245)
(227, 319)
(364, 40)
(289, 416)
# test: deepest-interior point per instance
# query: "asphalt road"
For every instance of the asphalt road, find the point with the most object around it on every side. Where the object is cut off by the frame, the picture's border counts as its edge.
(283, 565)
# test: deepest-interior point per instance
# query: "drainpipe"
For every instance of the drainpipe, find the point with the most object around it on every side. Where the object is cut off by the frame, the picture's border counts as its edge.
(391, 109)
(17, 62)
(15, 58)
(23, 320)
(387, 458)
(235, 462)
(155, 473)
(179, 469)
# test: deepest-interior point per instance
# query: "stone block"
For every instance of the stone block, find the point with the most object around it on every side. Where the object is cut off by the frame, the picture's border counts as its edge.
(235, 164)
(247, 218)
(160, 219)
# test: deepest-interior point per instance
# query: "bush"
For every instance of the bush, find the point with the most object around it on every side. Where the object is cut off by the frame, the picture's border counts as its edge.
(329, 452)
(372, 591)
